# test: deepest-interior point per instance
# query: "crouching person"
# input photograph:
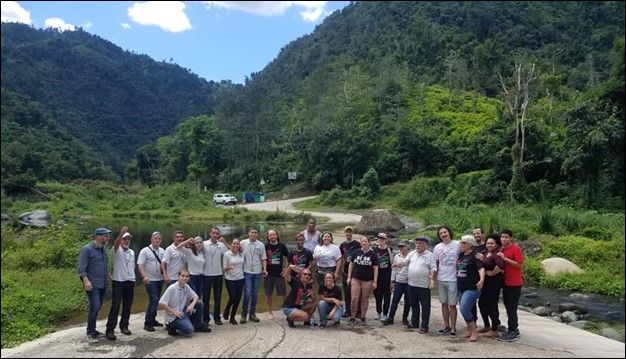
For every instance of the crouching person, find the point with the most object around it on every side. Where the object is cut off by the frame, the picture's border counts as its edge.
(183, 310)
(299, 305)
(330, 306)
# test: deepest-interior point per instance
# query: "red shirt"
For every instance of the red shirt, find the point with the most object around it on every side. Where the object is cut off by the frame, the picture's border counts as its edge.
(513, 275)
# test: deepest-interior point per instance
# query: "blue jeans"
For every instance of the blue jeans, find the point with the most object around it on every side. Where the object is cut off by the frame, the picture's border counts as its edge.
(212, 282)
(190, 322)
(467, 304)
(323, 308)
(419, 297)
(154, 292)
(399, 290)
(250, 293)
(95, 297)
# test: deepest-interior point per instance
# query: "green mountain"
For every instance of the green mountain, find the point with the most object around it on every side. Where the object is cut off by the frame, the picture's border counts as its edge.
(111, 100)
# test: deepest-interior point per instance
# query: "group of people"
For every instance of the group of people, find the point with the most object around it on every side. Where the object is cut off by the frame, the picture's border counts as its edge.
(464, 272)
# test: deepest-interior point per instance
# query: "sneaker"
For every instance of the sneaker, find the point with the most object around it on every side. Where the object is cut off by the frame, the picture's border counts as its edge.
(253, 318)
(225, 316)
(110, 335)
(243, 319)
(423, 331)
(362, 321)
(233, 320)
(452, 333)
(148, 328)
(94, 335)
(322, 326)
(509, 336)
(314, 323)
(502, 329)
(405, 321)
(171, 331)
(218, 321)
(290, 323)
(157, 324)
(443, 331)
(352, 321)
(387, 321)
(412, 326)
(125, 331)
(378, 316)
(384, 317)
(203, 329)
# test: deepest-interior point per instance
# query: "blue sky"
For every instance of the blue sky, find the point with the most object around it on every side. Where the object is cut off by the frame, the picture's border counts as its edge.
(217, 40)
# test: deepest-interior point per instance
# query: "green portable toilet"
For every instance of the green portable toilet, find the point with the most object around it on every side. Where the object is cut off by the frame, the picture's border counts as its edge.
(262, 198)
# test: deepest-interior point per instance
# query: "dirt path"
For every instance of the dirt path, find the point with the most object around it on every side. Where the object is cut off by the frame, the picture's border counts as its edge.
(287, 206)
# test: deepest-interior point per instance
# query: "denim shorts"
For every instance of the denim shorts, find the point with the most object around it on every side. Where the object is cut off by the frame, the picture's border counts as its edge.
(288, 311)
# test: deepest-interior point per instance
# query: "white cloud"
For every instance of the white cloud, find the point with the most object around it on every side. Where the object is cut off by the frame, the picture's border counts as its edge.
(13, 12)
(86, 25)
(59, 24)
(168, 15)
(313, 10)
(126, 25)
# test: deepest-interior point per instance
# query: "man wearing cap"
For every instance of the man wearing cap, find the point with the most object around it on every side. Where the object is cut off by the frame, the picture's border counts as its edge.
(421, 273)
(93, 270)
(123, 283)
(399, 283)
(347, 249)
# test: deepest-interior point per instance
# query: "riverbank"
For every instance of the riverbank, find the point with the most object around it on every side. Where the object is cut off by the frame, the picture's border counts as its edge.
(540, 337)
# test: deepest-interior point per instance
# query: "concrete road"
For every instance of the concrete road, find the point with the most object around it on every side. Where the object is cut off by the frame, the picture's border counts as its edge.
(287, 206)
(541, 337)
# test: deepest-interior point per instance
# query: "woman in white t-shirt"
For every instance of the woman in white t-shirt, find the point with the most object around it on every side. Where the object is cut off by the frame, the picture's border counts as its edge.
(233, 277)
(326, 257)
(193, 251)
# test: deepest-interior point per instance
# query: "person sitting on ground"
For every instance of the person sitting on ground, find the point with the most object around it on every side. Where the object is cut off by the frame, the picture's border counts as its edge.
(295, 305)
(183, 309)
(329, 306)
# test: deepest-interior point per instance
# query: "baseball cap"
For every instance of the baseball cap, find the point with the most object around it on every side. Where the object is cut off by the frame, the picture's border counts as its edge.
(127, 234)
(382, 235)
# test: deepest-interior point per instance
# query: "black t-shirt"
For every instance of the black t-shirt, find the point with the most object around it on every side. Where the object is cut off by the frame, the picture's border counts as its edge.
(481, 248)
(347, 251)
(301, 259)
(298, 295)
(384, 261)
(363, 267)
(467, 267)
(275, 254)
(333, 292)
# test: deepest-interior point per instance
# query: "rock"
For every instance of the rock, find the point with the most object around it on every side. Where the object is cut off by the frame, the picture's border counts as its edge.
(5, 218)
(541, 311)
(612, 334)
(39, 218)
(531, 295)
(566, 306)
(557, 318)
(569, 316)
(580, 324)
(380, 220)
(61, 222)
(524, 308)
(554, 266)
(530, 247)
(580, 296)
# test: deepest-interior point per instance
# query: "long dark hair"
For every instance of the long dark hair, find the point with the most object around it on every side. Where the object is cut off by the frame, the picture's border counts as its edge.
(449, 231)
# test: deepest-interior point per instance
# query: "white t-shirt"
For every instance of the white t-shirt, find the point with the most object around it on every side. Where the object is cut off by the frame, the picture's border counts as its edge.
(311, 240)
(327, 256)
(419, 267)
(253, 254)
(213, 257)
(446, 256)
(177, 298)
(175, 260)
(151, 266)
(195, 262)
(123, 265)
(235, 260)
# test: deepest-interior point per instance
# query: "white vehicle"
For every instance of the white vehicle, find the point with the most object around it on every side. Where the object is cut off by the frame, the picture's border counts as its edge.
(224, 198)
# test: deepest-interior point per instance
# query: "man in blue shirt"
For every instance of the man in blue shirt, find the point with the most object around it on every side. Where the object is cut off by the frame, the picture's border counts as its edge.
(93, 270)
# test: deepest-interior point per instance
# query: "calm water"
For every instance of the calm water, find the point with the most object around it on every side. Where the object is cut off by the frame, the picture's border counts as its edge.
(141, 231)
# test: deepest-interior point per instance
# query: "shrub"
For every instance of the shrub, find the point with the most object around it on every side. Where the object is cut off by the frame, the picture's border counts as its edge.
(421, 192)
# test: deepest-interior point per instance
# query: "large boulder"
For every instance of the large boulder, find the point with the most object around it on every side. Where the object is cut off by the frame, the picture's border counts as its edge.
(39, 218)
(530, 247)
(554, 266)
(5, 218)
(380, 220)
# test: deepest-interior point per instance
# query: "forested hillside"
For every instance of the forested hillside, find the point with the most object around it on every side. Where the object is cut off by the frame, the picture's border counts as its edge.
(526, 95)
(110, 100)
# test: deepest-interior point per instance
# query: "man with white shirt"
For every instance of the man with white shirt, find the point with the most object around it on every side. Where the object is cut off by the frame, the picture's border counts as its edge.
(213, 276)
(173, 260)
(446, 254)
(123, 283)
(183, 308)
(255, 266)
(149, 266)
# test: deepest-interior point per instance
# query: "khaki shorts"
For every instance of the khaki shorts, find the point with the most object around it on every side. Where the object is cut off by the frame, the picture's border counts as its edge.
(447, 292)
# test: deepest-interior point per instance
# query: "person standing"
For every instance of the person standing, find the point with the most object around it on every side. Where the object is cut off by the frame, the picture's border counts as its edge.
(301, 257)
(276, 254)
(470, 280)
(214, 249)
(123, 283)
(514, 261)
(326, 257)
(253, 268)
(93, 270)
(481, 246)
(193, 251)
(173, 260)
(447, 253)
(347, 249)
(400, 286)
(494, 281)
(233, 277)
(362, 275)
(149, 266)
(382, 293)
(312, 237)
(183, 308)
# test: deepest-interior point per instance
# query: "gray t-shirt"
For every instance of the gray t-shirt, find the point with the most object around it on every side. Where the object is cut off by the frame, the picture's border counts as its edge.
(151, 266)
(236, 261)
(177, 298)
(213, 257)
(175, 260)
(254, 254)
